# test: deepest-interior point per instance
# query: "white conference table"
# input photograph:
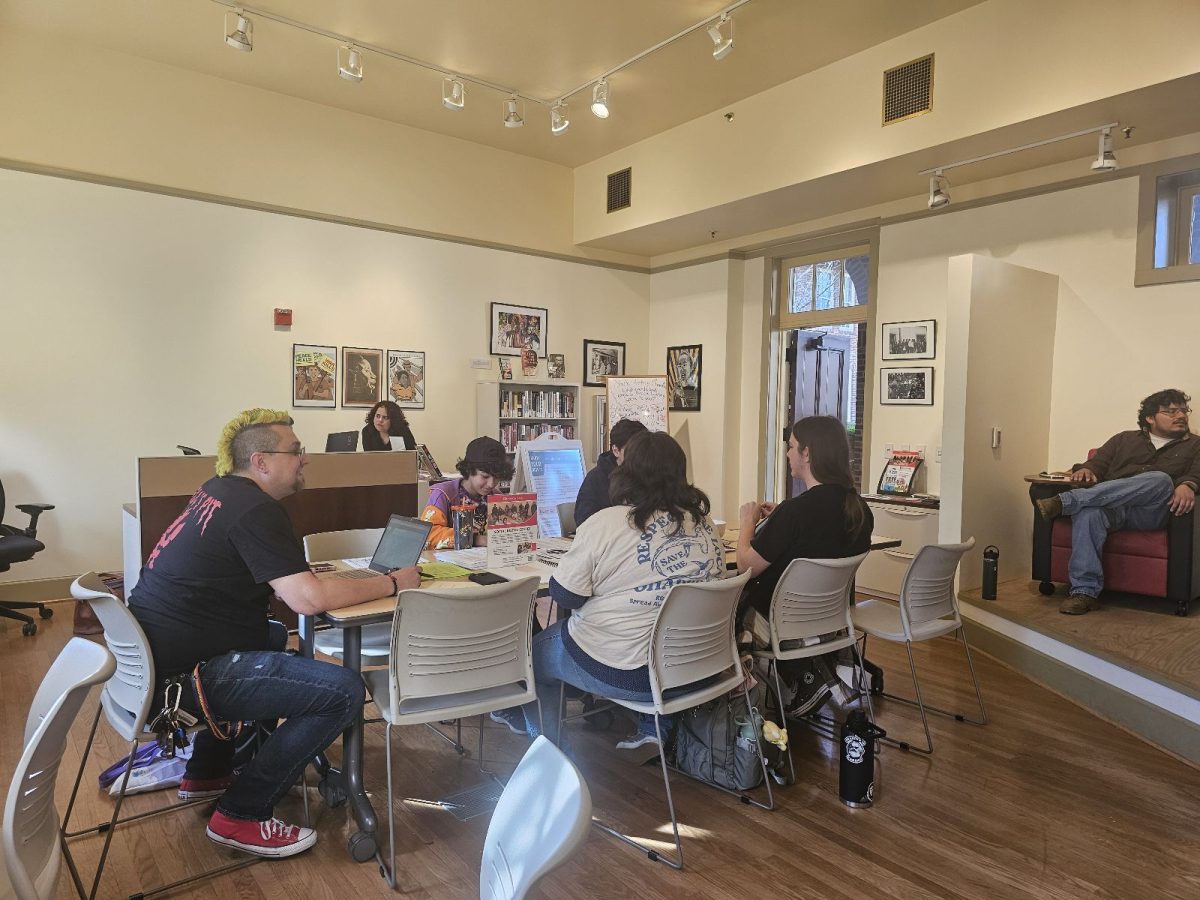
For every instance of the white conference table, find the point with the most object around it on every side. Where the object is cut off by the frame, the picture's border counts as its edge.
(363, 845)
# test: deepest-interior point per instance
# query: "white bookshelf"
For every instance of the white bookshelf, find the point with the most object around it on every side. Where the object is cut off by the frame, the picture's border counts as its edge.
(513, 411)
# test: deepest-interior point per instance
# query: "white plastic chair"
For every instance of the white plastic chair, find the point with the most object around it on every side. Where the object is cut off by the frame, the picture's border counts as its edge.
(811, 603)
(351, 544)
(126, 704)
(32, 852)
(693, 640)
(566, 518)
(541, 820)
(456, 652)
(928, 609)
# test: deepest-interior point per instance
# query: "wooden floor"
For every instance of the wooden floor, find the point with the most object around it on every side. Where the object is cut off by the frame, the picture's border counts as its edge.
(1046, 801)
(1142, 634)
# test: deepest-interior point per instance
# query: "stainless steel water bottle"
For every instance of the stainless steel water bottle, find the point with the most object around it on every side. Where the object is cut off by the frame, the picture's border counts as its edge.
(991, 566)
(856, 773)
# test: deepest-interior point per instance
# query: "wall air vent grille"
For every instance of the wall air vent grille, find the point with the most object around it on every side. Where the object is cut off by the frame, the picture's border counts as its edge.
(908, 90)
(619, 187)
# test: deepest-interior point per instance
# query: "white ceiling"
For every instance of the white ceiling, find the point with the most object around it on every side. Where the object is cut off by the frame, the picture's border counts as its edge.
(541, 47)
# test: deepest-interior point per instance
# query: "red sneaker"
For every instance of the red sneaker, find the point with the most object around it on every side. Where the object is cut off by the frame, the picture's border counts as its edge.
(271, 838)
(200, 788)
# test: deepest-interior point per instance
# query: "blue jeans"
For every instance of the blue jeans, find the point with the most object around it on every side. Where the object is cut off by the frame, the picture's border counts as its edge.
(552, 664)
(1138, 502)
(319, 700)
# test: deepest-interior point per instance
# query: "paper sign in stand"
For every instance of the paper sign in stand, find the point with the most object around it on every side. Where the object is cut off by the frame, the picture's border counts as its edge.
(553, 468)
(512, 530)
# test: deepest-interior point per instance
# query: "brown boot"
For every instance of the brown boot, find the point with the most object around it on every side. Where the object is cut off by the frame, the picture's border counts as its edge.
(1050, 507)
(1078, 604)
(85, 619)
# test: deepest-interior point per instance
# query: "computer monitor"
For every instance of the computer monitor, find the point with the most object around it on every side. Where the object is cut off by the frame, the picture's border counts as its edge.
(401, 544)
(341, 442)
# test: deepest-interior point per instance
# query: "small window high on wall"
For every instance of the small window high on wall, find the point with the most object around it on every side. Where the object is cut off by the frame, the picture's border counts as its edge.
(1168, 247)
(825, 316)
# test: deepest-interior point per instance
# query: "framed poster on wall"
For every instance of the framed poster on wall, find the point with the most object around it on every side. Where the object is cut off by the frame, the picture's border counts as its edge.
(314, 376)
(906, 387)
(362, 376)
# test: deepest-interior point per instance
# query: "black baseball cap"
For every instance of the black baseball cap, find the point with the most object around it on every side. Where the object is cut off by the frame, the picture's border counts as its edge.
(486, 454)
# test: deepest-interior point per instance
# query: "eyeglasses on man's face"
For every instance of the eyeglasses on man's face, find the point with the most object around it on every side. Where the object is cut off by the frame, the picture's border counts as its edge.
(297, 451)
(1174, 411)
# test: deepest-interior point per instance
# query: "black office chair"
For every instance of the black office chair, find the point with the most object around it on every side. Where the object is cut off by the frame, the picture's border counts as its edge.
(18, 545)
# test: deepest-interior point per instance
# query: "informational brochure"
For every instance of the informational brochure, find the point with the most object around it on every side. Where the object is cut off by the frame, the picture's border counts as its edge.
(512, 530)
(899, 473)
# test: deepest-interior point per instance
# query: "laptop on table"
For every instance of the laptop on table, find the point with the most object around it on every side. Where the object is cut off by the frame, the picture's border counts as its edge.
(399, 547)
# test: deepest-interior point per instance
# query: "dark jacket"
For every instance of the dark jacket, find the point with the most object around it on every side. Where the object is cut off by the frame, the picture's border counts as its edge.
(1131, 453)
(372, 441)
(593, 493)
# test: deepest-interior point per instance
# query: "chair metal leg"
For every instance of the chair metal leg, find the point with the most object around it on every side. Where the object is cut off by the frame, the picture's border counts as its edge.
(773, 667)
(983, 717)
(113, 823)
(920, 704)
(389, 871)
(651, 854)
(87, 749)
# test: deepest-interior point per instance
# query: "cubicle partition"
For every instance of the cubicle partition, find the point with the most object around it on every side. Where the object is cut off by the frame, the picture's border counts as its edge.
(342, 490)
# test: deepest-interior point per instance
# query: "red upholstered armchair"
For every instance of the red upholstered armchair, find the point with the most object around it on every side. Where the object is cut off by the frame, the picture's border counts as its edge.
(1151, 563)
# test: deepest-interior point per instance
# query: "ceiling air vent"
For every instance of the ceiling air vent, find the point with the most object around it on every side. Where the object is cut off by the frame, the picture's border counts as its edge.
(908, 90)
(619, 190)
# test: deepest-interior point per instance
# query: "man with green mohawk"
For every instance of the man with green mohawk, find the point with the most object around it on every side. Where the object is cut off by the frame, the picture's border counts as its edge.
(203, 601)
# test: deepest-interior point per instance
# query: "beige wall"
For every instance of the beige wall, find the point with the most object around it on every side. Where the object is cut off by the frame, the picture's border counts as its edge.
(134, 321)
(999, 63)
(998, 352)
(122, 117)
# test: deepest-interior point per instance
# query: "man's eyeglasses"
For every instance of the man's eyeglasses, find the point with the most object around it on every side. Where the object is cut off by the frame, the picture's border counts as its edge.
(299, 451)
(1175, 411)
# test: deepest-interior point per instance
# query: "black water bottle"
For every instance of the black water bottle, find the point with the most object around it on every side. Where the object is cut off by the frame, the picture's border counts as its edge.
(991, 566)
(856, 774)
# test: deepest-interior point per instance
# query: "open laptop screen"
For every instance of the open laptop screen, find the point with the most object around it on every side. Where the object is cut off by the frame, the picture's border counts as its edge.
(401, 545)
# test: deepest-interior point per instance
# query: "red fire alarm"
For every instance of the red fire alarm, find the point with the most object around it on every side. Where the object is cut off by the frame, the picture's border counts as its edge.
(283, 316)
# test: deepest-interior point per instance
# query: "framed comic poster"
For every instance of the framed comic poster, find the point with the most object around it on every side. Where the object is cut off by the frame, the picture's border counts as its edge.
(601, 359)
(406, 378)
(683, 378)
(314, 376)
(910, 340)
(906, 387)
(519, 328)
(362, 376)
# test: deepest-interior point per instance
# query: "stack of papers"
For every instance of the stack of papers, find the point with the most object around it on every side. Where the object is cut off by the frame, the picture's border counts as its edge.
(474, 558)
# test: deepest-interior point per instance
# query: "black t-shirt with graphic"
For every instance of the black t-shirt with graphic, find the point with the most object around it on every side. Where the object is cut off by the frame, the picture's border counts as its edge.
(811, 526)
(203, 591)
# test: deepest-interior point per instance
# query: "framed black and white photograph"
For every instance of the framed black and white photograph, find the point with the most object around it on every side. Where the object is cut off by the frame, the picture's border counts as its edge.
(406, 378)
(683, 378)
(516, 329)
(910, 340)
(314, 376)
(362, 376)
(906, 387)
(556, 365)
(601, 359)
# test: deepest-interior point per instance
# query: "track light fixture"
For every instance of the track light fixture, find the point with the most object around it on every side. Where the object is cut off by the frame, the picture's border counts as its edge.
(454, 93)
(350, 63)
(559, 122)
(939, 196)
(241, 35)
(722, 36)
(512, 113)
(600, 99)
(1106, 161)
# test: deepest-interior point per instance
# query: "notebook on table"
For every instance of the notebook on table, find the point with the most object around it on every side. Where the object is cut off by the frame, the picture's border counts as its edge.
(399, 547)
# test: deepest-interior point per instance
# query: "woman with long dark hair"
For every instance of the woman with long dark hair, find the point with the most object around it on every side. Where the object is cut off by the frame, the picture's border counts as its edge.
(386, 423)
(622, 563)
(828, 521)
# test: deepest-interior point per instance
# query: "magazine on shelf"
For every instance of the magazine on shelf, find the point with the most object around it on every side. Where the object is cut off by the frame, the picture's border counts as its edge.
(899, 473)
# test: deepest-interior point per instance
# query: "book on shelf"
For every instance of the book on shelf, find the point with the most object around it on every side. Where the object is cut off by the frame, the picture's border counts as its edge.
(513, 432)
(536, 404)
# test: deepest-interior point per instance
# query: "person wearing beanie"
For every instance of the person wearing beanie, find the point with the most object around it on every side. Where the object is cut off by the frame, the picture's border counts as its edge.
(482, 468)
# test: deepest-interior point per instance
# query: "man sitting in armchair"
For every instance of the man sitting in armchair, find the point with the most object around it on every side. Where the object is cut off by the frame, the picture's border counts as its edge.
(1134, 481)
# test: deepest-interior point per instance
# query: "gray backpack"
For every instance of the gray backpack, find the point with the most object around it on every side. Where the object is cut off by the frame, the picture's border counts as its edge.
(708, 745)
